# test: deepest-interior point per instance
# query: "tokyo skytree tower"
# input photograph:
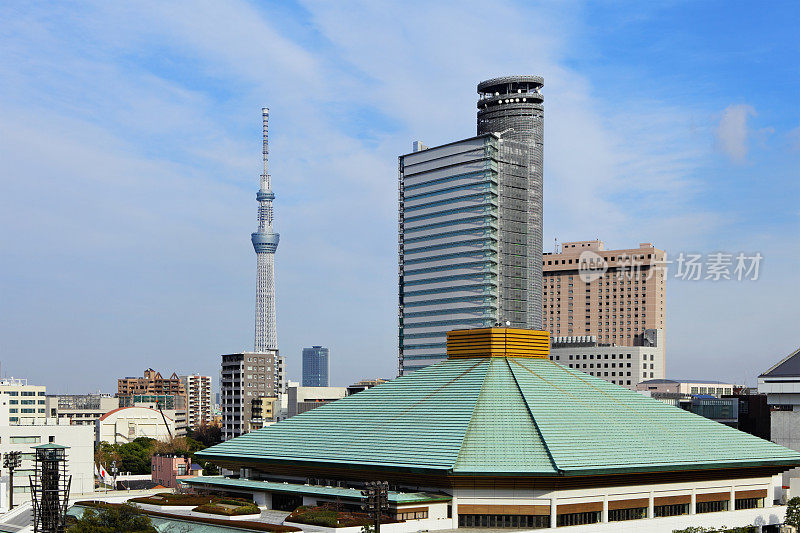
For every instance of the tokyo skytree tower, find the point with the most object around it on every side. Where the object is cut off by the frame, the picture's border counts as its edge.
(265, 242)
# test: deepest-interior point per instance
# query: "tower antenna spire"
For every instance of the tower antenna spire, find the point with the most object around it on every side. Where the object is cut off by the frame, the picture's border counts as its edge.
(265, 179)
(265, 243)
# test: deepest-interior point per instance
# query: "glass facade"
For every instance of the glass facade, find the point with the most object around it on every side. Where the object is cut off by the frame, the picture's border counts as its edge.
(470, 226)
(316, 366)
(463, 244)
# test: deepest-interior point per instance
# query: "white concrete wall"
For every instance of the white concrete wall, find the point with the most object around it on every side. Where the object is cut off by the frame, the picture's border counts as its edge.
(130, 423)
(80, 455)
(522, 494)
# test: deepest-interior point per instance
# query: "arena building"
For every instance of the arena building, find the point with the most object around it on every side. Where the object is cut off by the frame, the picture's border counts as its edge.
(498, 435)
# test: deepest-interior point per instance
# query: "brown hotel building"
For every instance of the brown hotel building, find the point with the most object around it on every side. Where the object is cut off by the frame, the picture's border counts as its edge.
(626, 296)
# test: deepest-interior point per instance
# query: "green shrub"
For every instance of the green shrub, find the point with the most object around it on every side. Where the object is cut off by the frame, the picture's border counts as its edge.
(215, 508)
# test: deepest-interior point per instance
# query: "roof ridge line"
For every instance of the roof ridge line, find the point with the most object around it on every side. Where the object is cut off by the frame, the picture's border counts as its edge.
(471, 416)
(633, 409)
(377, 429)
(533, 419)
(779, 363)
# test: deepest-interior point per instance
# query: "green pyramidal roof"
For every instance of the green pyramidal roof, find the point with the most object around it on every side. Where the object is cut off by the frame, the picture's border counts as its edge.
(501, 416)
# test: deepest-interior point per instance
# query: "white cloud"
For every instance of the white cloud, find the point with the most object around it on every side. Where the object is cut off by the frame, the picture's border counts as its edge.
(137, 132)
(732, 131)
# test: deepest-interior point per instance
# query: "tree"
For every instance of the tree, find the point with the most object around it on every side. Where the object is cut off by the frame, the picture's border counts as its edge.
(793, 512)
(113, 519)
(207, 434)
(133, 457)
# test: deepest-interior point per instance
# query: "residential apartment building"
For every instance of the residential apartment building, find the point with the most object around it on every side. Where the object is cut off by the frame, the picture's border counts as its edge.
(622, 365)
(245, 377)
(316, 366)
(265, 410)
(614, 295)
(470, 225)
(27, 404)
(151, 383)
(80, 409)
(198, 399)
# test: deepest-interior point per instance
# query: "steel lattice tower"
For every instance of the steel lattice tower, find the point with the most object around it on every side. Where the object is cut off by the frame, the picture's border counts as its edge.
(265, 242)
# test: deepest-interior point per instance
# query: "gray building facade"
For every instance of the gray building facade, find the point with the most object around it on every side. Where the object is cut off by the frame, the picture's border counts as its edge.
(316, 366)
(247, 376)
(470, 225)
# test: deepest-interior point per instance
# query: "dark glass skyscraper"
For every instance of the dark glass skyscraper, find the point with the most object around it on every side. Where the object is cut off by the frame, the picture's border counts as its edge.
(470, 231)
(316, 367)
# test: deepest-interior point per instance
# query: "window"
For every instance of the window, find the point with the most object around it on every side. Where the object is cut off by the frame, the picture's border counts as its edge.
(412, 515)
(712, 507)
(671, 510)
(749, 503)
(26, 440)
(576, 519)
(618, 515)
(497, 521)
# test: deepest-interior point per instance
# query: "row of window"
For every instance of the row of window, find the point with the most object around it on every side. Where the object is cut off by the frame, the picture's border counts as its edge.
(621, 258)
(24, 393)
(27, 411)
(593, 517)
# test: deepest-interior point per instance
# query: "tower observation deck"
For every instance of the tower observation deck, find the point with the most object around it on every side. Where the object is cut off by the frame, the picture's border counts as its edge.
(265, 243)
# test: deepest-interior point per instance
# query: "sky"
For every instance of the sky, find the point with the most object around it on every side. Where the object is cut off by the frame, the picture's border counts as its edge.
(130, 150)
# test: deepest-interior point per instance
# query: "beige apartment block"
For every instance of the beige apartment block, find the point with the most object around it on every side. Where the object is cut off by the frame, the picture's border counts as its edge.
(614, 295)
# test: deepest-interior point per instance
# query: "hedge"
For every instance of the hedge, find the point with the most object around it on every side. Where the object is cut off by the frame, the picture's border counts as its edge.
(253, 526)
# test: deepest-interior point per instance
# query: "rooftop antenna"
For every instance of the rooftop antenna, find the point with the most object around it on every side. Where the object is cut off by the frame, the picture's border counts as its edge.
(555, 246)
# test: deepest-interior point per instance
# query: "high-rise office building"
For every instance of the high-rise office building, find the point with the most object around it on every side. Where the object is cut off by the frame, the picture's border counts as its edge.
(316, 366)
(470, 231)
(247, 377)
(198, 399)
(614, 295)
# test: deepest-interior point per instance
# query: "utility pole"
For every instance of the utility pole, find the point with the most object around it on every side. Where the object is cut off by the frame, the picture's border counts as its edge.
(11, 461)
(114, 472)
(376, 501)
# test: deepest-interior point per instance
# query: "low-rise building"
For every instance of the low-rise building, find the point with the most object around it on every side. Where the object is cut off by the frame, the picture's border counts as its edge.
(168, 469)
(126, 424)
(265, 411)
(685, 388)
(626, 366)
(781, 385)
(364, 384)
(22, 438)
(26, 403)
(80, 409)
(302, 399)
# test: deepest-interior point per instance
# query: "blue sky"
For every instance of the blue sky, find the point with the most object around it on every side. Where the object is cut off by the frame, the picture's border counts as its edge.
(130, 154)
